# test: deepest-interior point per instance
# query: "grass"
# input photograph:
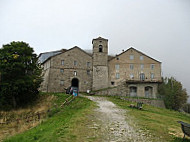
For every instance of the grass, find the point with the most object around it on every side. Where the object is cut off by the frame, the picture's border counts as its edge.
(160, 122)
(61, 124)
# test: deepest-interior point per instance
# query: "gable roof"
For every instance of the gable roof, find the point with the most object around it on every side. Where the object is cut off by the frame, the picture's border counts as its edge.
(138, 52)
(63, 51)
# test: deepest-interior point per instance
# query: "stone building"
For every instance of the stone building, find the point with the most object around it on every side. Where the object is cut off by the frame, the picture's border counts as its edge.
(137, 73)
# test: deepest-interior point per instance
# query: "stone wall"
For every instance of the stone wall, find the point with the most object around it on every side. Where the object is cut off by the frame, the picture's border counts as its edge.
(124, 90)
(156, 103)
(74, 63)
(121, 65)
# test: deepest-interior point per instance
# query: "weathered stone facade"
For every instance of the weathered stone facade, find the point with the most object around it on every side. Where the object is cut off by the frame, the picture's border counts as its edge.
(131, 73)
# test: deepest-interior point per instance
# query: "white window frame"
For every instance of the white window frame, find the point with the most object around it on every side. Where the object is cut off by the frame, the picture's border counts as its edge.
(117, 76)
(62, 62)
(152, 75)
(117, 66)
(142, 66)
(141, 57)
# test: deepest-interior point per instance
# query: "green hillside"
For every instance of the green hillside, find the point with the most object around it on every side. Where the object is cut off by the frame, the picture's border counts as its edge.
(160, 122)
(70, 122)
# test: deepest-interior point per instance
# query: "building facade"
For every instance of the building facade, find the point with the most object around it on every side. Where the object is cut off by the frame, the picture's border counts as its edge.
(139, 73)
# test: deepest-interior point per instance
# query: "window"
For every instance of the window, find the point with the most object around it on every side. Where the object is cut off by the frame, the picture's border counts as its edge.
(131, 66)
(62, 62)
(152, 76)
(61, 70)
(61, 82)
(100, 48)
(152, 66)
(112, 83)
(117, 67)
(142, 77)
(131, 57)
(141, 57)
(75, 63)
(142, 66)
(117, 76)
(88, 64)
(88, 72)
(75, 73)
(131, 76)
(117, 58)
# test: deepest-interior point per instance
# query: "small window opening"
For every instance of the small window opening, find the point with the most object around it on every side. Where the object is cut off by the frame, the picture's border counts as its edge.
(75, 73)
(62, 70)
(112, 83)
(100, 48)
(88, 72)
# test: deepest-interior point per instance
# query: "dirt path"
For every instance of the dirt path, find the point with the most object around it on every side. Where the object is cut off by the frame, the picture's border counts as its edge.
(111, 124)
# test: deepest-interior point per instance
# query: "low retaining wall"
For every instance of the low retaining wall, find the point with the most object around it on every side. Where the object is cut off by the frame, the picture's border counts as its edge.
(156, 103)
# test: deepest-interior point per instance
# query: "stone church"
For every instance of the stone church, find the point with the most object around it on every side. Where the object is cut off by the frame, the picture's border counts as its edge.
(96, 70)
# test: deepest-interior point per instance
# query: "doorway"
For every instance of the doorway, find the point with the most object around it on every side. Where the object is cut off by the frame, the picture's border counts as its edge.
(75, 82)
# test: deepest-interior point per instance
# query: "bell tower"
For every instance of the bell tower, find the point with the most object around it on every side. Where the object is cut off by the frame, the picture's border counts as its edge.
(100, 63)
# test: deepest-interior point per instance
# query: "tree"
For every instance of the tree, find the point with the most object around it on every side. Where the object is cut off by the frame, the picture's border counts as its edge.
(173, 93)
(20, 75)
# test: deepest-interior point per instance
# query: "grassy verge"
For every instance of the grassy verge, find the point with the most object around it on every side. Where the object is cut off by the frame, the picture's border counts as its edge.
(160, 122)
(61, 124)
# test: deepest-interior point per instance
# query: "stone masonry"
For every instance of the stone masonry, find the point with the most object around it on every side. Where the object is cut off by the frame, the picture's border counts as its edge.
(131, 73)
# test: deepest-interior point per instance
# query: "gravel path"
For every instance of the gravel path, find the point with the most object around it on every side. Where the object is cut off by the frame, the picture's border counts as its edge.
(114, 125)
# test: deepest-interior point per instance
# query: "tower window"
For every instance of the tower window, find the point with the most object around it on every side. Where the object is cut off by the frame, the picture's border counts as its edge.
(75, 63)
(100, 48)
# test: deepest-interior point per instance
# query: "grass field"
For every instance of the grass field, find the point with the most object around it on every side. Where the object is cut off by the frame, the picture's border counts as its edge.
(70, 123)
(160, 122)
(60, 124)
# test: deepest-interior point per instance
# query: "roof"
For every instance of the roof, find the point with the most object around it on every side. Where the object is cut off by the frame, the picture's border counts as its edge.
(48, 55)
(138, 52)
(99, 38)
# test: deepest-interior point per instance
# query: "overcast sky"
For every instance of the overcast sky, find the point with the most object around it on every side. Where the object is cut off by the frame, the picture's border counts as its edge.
(158, 28)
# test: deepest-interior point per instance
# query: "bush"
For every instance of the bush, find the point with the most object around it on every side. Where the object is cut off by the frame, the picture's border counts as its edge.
(174, 95)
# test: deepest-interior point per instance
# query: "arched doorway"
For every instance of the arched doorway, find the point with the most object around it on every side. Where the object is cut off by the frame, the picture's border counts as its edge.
(133, 91)
(148, 92)
(75, 82)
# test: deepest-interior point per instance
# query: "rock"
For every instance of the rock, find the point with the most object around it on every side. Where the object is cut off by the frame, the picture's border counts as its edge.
(112, 129)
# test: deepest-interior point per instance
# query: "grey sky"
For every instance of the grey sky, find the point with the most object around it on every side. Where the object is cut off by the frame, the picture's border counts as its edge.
(159, 28)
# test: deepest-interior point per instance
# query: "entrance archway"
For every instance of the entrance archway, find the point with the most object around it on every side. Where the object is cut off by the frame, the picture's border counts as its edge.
(75, 82)
(133, 91)
(148, 91)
